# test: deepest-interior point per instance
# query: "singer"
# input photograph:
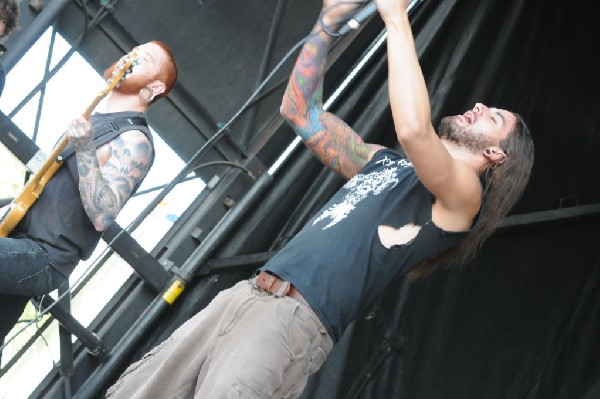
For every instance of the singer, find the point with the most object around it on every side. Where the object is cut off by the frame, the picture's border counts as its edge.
(396, 215)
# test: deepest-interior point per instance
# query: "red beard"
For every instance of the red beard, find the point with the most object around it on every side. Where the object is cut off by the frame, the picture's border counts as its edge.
(130, 85)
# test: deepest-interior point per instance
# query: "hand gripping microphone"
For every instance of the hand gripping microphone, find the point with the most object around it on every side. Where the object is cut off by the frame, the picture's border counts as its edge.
(361, 15)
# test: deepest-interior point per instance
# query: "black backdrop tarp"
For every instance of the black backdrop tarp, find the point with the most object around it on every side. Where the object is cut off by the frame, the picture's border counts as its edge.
(522, 320)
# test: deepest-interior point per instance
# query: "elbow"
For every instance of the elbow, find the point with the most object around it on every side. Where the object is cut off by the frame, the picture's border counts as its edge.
(298, 113)
(102, 223)
(284, 110)
(100, 227)
(301, 117)
(406, 135)
(410, 130)
(290, 111)
(296, 120)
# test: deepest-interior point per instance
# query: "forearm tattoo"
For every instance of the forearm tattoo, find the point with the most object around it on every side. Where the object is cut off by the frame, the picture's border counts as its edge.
(330, 138)
(303, 98)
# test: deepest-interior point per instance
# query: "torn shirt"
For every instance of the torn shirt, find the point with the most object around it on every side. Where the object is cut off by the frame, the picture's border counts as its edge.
(376, 228)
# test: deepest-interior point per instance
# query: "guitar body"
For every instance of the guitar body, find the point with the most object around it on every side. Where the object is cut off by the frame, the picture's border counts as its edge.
(34, 187)
(32, 190)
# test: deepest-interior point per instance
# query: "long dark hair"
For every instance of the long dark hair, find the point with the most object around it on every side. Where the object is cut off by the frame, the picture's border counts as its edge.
(503, 185)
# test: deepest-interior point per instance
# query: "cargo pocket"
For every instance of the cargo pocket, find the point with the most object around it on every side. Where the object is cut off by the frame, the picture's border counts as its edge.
(135, 366)
(321, 350)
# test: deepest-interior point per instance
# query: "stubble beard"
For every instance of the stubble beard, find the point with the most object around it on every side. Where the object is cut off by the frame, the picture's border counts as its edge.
(463, 136)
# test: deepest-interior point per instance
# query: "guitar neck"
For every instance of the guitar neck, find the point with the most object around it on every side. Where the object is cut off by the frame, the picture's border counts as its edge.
(88, 111)
(62, 144)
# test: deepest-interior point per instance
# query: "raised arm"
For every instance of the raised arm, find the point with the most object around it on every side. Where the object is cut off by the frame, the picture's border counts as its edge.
(335, 143)
(107, 176)
(453, 183)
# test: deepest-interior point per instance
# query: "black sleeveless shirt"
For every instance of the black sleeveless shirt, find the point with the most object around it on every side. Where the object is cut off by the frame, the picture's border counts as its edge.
(338, 262)
(57, 219)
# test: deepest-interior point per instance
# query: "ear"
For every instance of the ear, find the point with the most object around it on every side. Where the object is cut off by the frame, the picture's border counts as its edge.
(158, 87)
(494, 155)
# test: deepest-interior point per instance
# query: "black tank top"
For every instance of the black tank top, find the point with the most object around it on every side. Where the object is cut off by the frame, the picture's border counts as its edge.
(57, 220)
(337, 260)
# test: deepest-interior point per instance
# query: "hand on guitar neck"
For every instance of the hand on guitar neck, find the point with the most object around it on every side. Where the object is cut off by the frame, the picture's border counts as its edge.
(80, 134)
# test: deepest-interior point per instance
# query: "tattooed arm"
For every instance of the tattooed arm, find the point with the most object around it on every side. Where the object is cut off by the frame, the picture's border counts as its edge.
(335, 143)
(108, 175)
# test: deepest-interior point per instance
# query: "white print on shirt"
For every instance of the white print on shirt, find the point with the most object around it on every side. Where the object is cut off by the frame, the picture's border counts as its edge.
(403, 163)
(362, 185)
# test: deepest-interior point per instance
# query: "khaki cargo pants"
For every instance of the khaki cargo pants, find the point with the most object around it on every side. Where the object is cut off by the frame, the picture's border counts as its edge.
(245, 344)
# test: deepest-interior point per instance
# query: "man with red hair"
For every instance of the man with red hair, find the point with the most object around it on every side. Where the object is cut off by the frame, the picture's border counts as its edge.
(106, 160)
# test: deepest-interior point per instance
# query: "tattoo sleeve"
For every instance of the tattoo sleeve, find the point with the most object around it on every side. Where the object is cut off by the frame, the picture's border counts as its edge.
(303, 100)
(331, 139)
(104, 190)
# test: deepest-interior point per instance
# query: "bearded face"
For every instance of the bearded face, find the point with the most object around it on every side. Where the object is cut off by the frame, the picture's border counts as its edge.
(463, 136)
(131, 85)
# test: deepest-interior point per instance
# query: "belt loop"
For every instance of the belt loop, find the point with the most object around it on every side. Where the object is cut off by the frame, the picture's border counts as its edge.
(283, 290)
(272, 281)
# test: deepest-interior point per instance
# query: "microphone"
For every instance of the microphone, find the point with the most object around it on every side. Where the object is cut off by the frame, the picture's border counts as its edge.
(358, 18)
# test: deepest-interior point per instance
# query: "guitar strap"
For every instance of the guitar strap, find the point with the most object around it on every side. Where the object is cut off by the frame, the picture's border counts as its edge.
(107, 131)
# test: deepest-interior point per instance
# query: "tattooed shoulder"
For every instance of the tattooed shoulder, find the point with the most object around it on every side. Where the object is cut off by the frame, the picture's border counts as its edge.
(135, 144)
(130, 155)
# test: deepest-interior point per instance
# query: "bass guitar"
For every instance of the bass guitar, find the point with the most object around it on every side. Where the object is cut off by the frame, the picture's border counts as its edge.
(35, 185)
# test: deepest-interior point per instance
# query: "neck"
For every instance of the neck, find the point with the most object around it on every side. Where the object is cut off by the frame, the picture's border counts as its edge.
(117, 102)
(476, 160)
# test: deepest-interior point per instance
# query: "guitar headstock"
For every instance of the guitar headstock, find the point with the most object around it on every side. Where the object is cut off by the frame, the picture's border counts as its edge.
(122, 71)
